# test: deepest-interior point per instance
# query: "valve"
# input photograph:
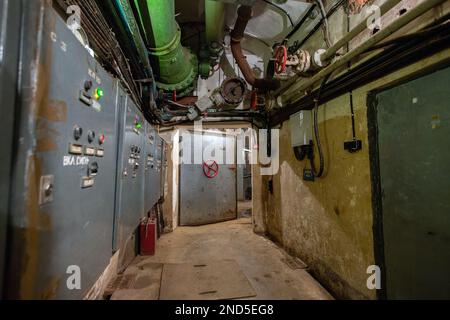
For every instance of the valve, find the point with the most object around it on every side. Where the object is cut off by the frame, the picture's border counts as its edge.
(210, 169)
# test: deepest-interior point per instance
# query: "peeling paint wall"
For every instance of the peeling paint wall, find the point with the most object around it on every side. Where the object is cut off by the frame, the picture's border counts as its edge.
(328, 223)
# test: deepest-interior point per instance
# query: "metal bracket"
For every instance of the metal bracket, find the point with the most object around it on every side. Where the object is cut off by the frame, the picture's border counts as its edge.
(46, 189)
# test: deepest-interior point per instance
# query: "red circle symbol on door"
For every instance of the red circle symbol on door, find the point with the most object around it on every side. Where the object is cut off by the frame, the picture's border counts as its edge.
(210, 169)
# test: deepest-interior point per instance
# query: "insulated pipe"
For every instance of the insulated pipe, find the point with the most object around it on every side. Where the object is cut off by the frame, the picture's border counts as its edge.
(174, 66)
(245, 13)
(331, 52)
(292, 95)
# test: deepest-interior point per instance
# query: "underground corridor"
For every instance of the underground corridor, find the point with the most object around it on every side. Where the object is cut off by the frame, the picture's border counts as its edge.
(224, 150)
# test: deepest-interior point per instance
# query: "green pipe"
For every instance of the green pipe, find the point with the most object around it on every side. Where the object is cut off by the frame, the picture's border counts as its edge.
(175, 67)
(215, 20)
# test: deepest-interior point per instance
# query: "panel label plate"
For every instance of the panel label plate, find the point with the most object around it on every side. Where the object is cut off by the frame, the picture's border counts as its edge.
(72, 161)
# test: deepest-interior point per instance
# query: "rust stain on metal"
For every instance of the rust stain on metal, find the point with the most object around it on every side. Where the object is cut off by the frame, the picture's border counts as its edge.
(45, 222)
(54, 110)
(46, 145)
(31, 259)
(35, 221)
(46, 137)
(51, 290)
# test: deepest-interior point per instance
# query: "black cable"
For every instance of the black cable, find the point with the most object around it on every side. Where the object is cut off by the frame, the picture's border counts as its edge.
(325, 23)
(298, 44)
(300, 24)
(352, 109)
(318, 174)
(281, 9)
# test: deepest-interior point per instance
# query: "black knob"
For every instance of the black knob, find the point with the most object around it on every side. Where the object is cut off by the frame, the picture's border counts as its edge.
(77, 133)
(91, 136)
(93, 168)
(88, 85)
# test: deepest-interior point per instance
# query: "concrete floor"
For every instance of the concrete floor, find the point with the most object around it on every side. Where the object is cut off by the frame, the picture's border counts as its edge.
(271, 272)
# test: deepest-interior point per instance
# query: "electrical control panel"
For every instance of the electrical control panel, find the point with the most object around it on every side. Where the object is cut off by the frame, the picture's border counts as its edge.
(131, 170)
(85, 160)
(151, 189)
(62, 205)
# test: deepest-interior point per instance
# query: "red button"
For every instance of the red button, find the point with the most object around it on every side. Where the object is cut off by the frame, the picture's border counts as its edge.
(102, 139)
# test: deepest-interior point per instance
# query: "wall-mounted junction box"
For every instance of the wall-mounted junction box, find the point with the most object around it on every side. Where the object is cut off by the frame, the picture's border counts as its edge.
(301, 128)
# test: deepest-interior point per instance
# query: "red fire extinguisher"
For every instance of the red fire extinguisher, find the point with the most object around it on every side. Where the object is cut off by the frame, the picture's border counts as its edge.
(148, 236)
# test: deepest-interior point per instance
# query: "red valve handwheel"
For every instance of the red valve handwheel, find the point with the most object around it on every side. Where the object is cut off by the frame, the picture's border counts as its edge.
(280, 59)
(210, 169)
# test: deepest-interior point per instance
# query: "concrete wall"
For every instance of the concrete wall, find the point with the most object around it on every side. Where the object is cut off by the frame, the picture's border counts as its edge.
(328, 223)
(171, 201)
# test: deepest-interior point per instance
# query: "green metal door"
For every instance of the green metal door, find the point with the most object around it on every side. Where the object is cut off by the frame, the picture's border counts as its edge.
(414, 158)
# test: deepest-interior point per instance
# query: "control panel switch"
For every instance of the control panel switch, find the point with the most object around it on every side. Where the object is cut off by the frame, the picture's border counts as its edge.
(77, 133)
(75, 149)
(100, 153)
(87, 182)
(90, 152)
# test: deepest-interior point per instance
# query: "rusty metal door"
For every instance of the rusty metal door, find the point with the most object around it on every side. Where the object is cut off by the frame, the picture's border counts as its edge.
(208, 185)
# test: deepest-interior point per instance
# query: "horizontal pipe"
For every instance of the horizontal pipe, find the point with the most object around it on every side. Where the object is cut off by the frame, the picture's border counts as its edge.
(292, 95)
(388, 61)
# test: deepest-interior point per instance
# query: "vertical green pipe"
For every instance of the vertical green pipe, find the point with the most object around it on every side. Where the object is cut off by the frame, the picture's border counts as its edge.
(215, 20)
(175, 66)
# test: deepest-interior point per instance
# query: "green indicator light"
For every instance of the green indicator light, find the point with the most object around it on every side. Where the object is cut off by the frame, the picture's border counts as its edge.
(99, 93)
(138, 126)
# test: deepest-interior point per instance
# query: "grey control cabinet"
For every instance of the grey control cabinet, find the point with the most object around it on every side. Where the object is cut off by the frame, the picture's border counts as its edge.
(151, 190)
(131, 169)
(62, 205)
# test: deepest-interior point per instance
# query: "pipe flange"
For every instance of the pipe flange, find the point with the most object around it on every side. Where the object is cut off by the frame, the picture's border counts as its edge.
(186, 86)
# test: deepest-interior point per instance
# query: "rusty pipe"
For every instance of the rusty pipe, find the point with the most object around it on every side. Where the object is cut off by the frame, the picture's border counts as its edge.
(245, 13)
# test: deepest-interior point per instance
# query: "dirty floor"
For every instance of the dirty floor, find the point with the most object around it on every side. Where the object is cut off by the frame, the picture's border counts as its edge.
(263, 268)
